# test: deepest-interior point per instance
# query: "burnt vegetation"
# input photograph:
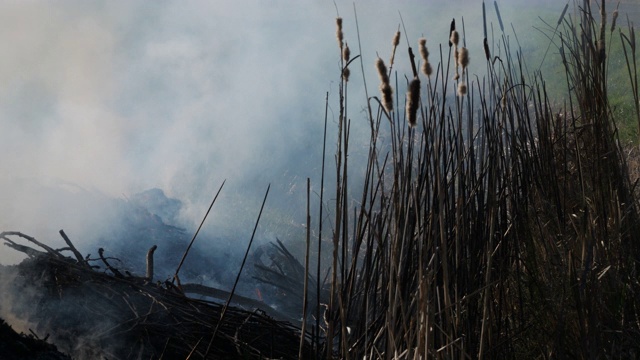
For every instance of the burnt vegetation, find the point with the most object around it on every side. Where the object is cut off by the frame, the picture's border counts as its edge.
(492, 223)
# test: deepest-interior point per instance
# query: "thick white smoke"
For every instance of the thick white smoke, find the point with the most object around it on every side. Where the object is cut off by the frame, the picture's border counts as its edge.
(104, 99)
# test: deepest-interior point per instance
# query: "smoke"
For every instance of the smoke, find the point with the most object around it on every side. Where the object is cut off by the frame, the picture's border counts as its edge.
(100, 101)
(103, 100)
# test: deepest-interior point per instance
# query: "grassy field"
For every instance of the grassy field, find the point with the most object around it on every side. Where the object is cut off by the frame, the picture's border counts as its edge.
(498, 219)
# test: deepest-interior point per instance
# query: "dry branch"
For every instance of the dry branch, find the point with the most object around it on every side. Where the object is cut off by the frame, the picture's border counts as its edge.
(141, 319)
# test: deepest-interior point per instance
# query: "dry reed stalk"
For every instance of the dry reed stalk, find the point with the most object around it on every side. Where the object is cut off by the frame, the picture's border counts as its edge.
(449, 241)
(305, 304)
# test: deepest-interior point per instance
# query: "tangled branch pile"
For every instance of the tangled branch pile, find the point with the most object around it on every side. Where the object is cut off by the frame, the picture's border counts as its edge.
(93, 314)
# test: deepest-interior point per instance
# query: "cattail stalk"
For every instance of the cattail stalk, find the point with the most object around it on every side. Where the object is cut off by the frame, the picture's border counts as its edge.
(495, 3)
(614, 19)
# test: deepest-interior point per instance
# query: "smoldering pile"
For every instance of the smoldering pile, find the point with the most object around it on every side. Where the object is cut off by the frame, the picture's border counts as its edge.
(89, 308)
(14, 346)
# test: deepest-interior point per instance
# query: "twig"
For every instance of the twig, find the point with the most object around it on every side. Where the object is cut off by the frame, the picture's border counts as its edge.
(76, 253)
(196, 234)
(233, 290)
(50, 250)
(303, 329)
(115, 271)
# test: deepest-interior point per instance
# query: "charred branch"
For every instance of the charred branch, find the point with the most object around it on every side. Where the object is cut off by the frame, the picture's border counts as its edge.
(150, 262)
(73, 249)
(115, 271)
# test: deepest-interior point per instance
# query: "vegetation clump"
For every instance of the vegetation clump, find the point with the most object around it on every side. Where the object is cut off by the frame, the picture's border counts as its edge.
(495, 223)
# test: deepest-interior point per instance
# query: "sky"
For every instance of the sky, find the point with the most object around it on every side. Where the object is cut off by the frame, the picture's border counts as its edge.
(110, 98)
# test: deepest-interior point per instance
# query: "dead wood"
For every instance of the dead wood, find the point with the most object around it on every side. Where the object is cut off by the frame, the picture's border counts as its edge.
(115, 271)
(150, 262)
(242, 301)
(120, 317)
(4, 235)
(73, 249)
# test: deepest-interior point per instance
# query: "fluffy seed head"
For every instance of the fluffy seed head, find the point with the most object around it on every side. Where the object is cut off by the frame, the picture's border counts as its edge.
(462, 88)
(339, 34)
(413, 101)
(426, 68)
(463, 57)
(385, 88)
(387, 96)
(345, 74)
(382, 71)
(396, 39)
(455, 37)
(346, 53)
(422, 46)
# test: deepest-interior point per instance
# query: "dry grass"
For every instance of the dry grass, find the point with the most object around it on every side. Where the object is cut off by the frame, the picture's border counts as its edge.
(497, 226)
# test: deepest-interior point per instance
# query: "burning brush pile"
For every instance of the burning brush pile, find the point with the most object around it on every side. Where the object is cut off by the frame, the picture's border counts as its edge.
(91, 309)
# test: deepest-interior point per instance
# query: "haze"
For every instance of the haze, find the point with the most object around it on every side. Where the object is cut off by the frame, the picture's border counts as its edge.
(106, 99)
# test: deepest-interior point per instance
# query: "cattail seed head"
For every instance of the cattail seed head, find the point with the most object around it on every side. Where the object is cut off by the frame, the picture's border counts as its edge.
(601, 51)
(613, 20)
(462, 88)
(339, 34)
(487, 54)
(413, 101)
(345, 74)
(382, 71)
(426, 68)
(603, 22)
(455, 37)
(396, 39)
(385, 88)
(422, 46)
(387, 96)
(451, 30)
(346, 53)
(463, 57)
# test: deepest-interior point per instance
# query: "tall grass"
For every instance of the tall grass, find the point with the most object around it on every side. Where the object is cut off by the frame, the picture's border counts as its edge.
(496, 227)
